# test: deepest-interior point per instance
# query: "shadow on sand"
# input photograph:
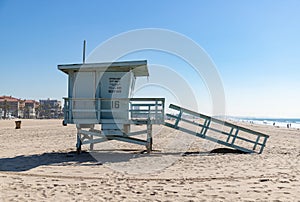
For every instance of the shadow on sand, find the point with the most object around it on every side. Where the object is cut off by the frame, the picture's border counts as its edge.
(23, 163)
(94, 158)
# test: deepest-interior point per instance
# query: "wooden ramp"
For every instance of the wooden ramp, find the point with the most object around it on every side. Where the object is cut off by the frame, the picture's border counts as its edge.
(216, 130)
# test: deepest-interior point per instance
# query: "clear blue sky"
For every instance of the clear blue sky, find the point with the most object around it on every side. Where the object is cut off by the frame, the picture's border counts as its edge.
(254, 44)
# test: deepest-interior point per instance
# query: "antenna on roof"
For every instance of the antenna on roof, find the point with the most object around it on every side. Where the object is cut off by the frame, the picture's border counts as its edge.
(83, 53)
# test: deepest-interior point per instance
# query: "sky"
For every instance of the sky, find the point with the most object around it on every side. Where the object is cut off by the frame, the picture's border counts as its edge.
(255, 46)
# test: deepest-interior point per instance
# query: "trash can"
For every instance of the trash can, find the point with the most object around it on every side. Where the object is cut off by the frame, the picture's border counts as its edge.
(18, 124)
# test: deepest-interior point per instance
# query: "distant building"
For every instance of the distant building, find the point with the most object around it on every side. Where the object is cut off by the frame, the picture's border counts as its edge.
(50, 109)
(11, 106)
(30, 109)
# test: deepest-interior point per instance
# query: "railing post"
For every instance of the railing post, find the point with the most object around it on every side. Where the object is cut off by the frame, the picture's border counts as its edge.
(156, 103)
(129, 109)
(203, 128)
(229, 135)
(263, 145)
(235, 135)
(178, 118)
(206, 127)
(149, 110)
(257, 140)
(98, 109)
(70, 103)
(65, 110)
(163, 110)
(149, 136)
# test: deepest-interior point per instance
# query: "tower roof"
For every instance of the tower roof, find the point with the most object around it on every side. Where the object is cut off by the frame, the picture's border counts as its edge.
(139, 68)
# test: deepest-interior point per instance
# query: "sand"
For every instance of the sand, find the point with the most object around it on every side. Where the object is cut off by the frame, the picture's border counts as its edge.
(38, 163)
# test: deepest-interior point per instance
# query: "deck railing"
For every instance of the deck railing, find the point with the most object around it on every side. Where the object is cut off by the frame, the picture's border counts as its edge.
(122, 110)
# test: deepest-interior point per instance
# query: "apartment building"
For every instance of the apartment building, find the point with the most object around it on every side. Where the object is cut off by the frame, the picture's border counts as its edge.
(31, 109)
(11, 106)
(50, 109)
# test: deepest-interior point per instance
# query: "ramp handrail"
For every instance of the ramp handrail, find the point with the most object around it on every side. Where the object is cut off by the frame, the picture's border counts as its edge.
(207, 125)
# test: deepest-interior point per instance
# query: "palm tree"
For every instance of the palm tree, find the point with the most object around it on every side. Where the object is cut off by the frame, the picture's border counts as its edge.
(26, 112)
(5, 108)
(37, 111)
(21, 111)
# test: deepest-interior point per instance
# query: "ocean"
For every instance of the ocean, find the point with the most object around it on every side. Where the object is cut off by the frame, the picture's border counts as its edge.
(281, 122)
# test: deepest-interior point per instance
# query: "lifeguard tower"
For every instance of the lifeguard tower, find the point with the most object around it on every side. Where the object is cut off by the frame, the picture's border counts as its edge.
(100, 93)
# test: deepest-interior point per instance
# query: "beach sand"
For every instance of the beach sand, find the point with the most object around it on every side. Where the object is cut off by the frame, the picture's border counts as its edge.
(38, 163)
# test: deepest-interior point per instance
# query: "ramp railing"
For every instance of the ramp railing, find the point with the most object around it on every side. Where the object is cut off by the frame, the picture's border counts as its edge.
(216, 130)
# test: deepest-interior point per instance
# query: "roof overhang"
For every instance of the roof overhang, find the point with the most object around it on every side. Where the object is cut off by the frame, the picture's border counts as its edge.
(139, 68)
